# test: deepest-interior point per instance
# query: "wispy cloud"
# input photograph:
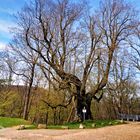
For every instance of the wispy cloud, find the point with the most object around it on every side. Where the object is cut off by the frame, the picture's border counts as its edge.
(5, 35)
(7, 11)
(8, 8)
(2, 45)
(5, 26)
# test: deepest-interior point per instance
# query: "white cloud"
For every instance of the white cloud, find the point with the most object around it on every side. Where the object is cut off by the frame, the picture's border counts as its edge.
(6, 25)
(2, 45)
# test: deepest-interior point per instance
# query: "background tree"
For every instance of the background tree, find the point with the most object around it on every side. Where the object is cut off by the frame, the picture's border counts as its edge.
(22, 62)
(122, 88)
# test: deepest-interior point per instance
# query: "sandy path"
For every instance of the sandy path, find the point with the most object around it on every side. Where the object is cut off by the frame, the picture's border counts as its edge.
(120, 132)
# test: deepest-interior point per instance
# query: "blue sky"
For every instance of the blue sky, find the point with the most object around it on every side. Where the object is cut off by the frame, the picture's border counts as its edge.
(7, 9)
(10, 7)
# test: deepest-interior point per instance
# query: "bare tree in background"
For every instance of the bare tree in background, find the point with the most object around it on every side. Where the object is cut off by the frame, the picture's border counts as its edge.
(56, 32)
(134, 43)
(122, 88)
(22, 62)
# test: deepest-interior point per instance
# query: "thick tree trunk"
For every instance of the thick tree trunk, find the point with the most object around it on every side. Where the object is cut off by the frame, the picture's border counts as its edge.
(46, 118)
(28, 94)
(84, 101)
(54, 116)
(26, 105)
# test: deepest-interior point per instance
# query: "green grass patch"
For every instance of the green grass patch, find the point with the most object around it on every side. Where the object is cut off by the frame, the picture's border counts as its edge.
(101, 123)
(87, 124)
(54, 126)
(32, 126)
(9, 122)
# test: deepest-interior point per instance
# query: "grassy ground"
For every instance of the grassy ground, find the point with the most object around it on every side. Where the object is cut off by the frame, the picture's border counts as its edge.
(10, 122)
(87, 124)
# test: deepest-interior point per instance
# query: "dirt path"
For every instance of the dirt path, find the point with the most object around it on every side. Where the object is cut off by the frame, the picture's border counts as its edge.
(120, 132)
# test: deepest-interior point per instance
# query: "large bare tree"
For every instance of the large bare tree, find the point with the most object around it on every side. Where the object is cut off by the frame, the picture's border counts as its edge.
(60, 34)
